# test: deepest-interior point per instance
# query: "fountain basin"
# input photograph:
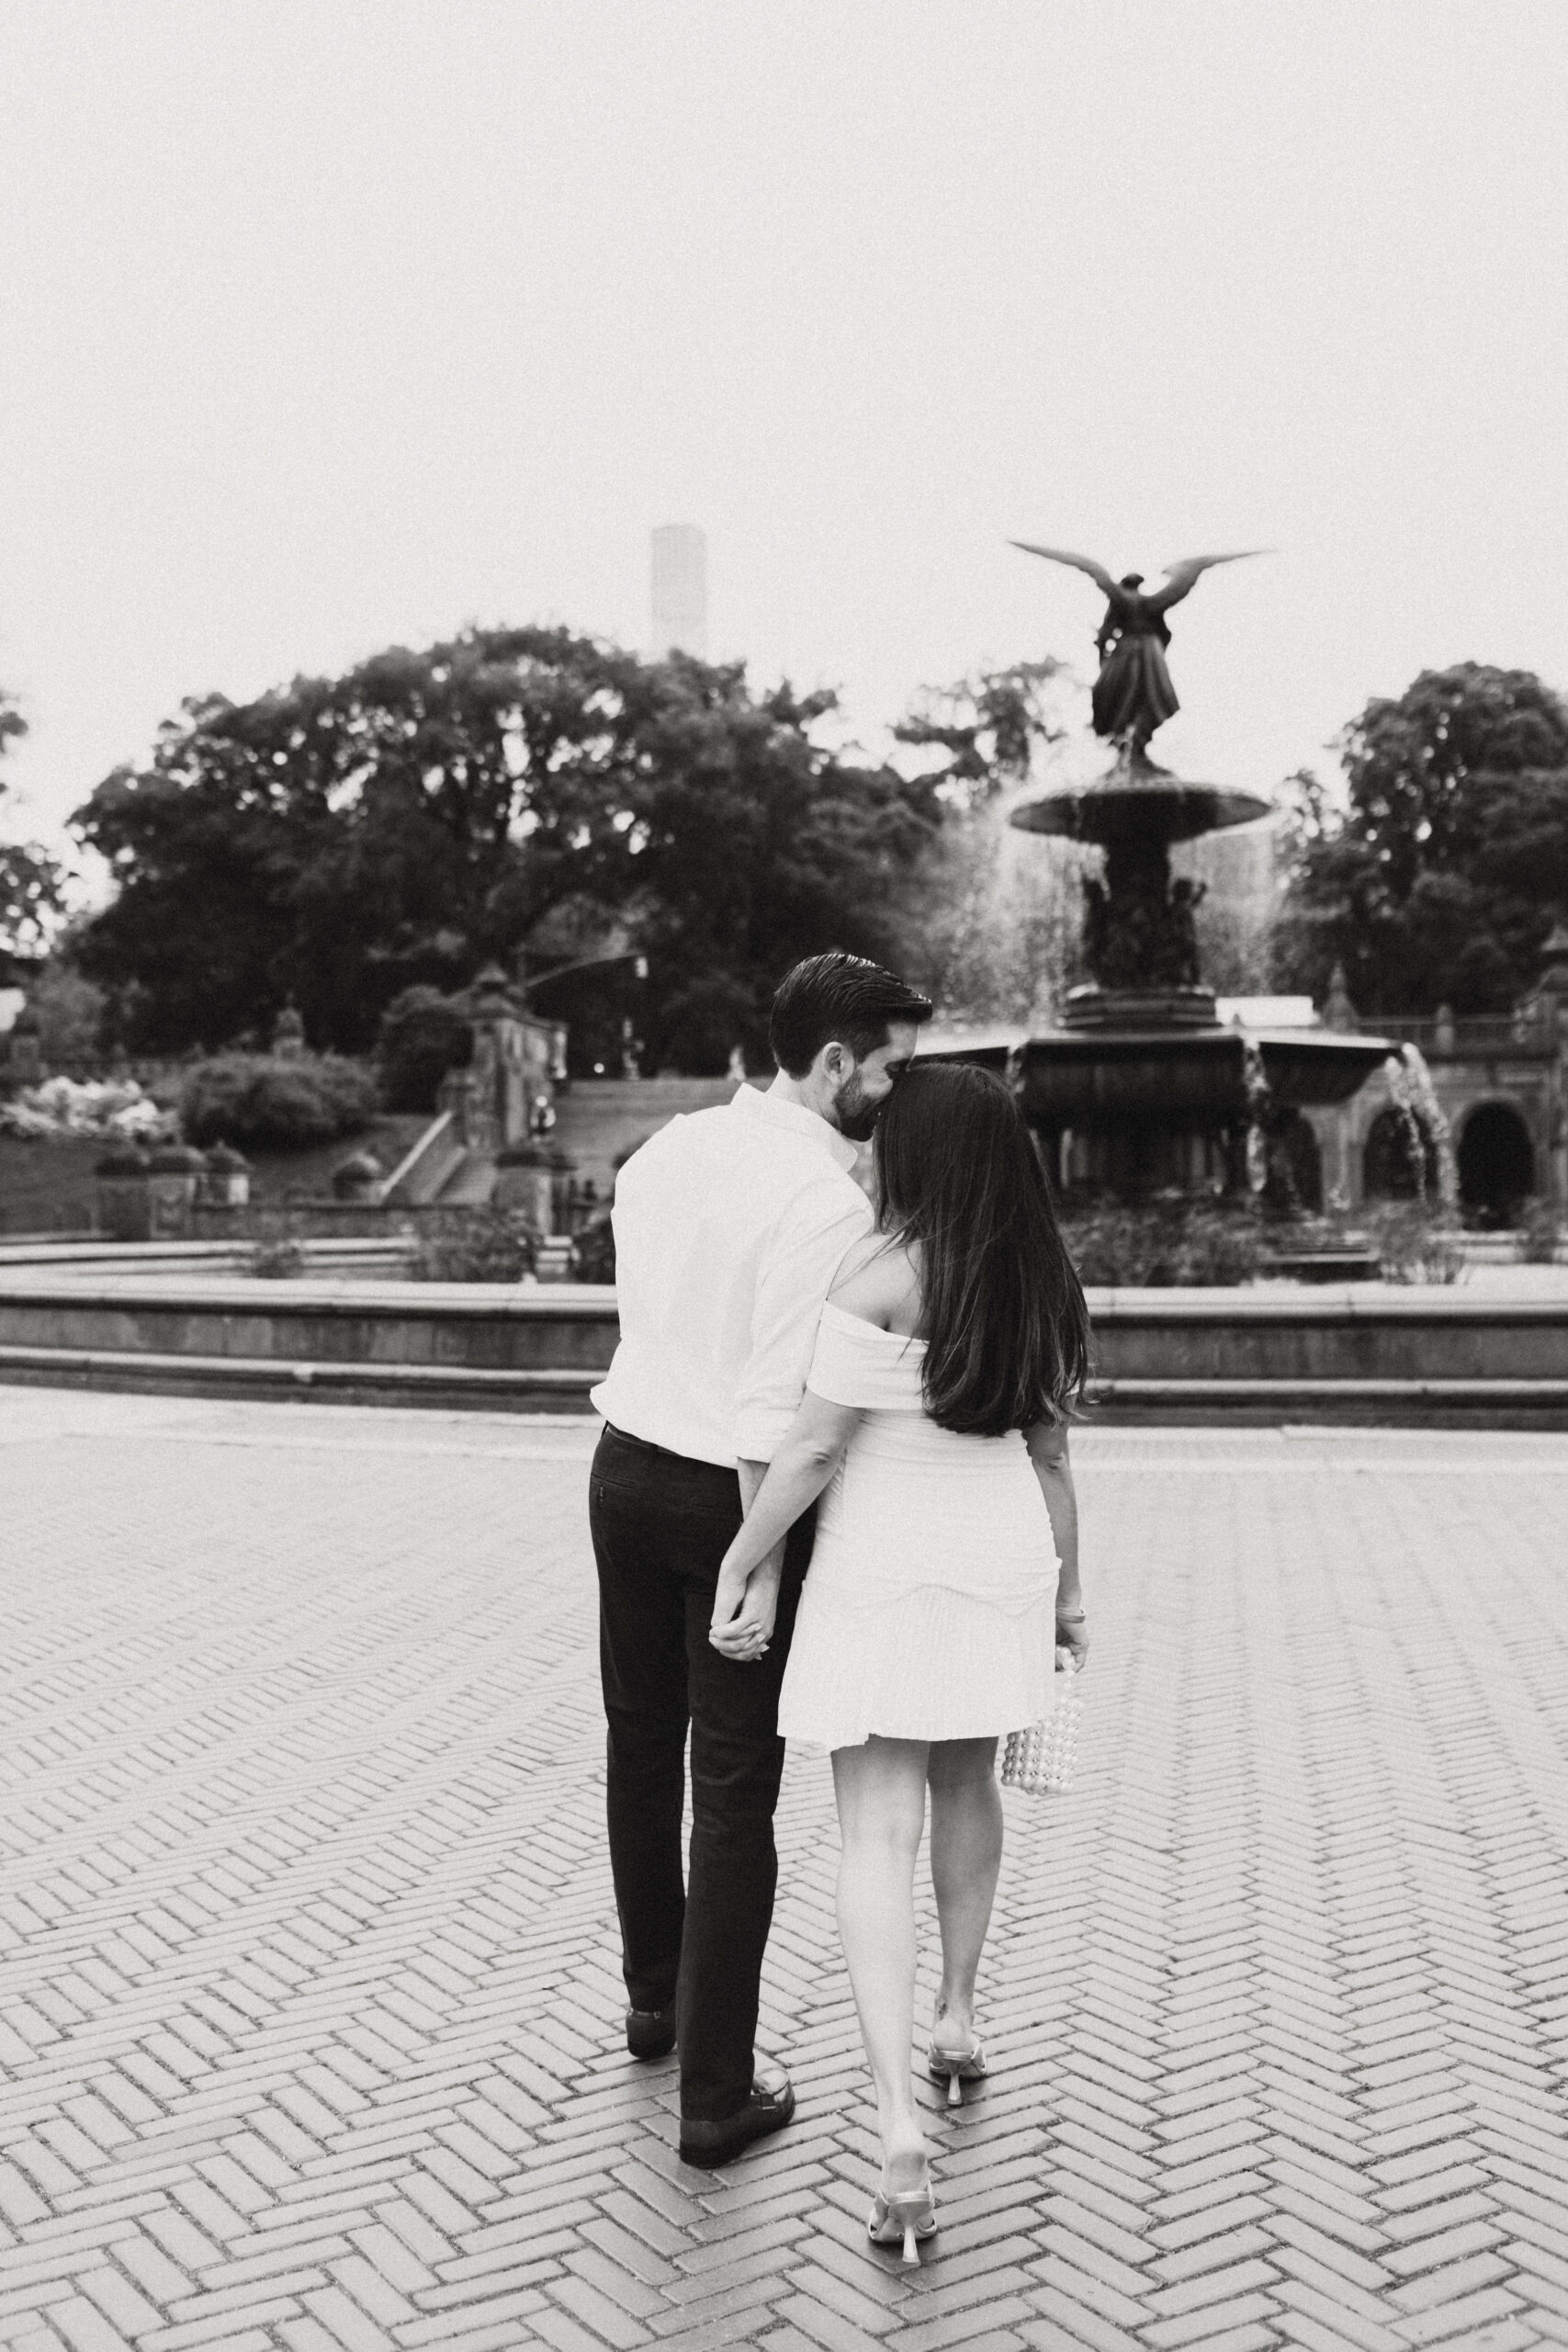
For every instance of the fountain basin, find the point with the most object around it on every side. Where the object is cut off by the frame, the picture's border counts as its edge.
(1159, 1073)
(1144, 801)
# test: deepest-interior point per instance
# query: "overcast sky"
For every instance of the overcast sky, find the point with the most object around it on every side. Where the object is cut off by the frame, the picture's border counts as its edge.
(334, 322)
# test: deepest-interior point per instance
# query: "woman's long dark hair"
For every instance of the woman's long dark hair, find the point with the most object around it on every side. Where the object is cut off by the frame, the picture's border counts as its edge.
(1005, 1325)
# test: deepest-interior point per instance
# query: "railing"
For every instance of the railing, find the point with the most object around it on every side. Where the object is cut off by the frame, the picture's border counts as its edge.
(1451, 1040)
(418, 1175)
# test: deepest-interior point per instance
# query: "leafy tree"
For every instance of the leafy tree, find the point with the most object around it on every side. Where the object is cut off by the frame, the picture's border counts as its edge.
(987, 728)
(1440, 878)
(31, 891)
(344, 840)
(424, 1035)
(756, 846)
(70, 1013)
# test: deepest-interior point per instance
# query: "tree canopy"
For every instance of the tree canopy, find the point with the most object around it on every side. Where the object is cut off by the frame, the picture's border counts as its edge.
(1439, 880)
(523, 789)
(30, 881)
(987, 728)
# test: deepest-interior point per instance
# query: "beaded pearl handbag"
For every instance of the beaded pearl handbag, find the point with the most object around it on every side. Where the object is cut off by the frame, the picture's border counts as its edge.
(1041, 1759)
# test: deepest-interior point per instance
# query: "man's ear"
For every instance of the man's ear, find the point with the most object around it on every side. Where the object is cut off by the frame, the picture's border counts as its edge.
(836, 1060)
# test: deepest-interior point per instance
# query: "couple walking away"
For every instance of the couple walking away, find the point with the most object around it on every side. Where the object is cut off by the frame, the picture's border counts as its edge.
(911, 1360)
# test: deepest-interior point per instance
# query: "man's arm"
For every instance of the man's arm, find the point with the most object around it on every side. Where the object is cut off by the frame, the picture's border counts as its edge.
(747, 1586)
(803, 1254)
(751, 1475)
(762, 1586)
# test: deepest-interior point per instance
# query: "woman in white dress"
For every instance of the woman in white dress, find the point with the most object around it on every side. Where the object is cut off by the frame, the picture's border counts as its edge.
(945, 1569)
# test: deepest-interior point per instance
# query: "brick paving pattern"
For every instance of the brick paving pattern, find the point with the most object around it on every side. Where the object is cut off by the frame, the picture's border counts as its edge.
(309, 2027)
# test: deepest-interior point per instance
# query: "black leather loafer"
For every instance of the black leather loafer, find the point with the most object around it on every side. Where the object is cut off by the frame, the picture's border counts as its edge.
(769, 2108)
(650, 2033)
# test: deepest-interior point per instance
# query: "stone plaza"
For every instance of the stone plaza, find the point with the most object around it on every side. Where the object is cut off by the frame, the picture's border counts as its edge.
(311, 2030)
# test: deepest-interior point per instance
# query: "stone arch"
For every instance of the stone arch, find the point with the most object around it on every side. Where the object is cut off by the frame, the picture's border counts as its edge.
(1388, 1167)
(1496, 1162)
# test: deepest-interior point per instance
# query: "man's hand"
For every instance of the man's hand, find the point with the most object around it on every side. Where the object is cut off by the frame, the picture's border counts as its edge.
(743, 1611)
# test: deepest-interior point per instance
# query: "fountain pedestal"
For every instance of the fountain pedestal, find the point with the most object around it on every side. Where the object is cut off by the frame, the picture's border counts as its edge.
(1142, 1089)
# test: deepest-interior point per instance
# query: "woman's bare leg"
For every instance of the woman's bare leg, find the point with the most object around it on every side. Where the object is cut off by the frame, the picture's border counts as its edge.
(966, 1854)
(880, 1792)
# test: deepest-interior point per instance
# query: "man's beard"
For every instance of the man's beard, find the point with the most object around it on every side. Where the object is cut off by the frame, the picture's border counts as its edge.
(857, 1113)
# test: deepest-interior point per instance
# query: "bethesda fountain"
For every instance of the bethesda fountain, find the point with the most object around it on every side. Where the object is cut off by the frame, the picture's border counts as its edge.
(1143, 1089)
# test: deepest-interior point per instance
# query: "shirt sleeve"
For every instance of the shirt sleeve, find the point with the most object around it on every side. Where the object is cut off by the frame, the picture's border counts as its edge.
(804, 1253)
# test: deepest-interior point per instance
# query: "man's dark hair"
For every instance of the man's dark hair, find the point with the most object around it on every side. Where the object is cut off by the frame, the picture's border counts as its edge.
(840, 997)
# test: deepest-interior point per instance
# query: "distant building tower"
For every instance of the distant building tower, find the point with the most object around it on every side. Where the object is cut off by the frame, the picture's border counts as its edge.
(680, 589)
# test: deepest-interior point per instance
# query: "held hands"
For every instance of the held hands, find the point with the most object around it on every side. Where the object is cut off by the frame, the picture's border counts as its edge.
(743, 1610)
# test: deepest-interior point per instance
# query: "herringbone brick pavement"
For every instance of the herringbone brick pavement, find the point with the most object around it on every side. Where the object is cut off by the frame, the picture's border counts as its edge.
(310, 2025)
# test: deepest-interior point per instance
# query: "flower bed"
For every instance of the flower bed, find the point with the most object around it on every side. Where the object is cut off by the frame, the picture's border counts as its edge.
(108, 1107)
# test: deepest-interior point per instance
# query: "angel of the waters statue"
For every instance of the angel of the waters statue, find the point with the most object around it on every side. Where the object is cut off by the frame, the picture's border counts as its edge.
(1132, 694)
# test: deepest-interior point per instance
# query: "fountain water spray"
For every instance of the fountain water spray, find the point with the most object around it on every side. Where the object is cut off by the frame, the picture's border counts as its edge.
(1259, 1101)
(1415, 1098)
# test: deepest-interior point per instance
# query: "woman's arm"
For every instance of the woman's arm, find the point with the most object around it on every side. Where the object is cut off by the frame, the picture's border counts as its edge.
(749, 1578)
(1047, 1443)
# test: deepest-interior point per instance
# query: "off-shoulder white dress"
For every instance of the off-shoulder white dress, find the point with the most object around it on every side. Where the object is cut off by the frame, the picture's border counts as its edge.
(929, 1611)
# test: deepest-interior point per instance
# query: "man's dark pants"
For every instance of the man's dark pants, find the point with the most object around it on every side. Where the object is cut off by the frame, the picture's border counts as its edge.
(661, 1525)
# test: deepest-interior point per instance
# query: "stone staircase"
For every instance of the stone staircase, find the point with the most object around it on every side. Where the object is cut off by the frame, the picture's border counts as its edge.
(470, 1182)
(600, 1120)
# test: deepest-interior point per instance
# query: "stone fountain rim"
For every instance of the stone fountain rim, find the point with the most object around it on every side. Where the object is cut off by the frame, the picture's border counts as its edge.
(1214, 1042)
(1185, 809)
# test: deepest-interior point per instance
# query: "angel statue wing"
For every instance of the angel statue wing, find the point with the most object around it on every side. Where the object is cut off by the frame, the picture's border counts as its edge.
(1097, 571)
(1183, 576)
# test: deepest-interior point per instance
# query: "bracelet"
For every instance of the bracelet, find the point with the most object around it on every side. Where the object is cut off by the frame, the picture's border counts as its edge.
(1069, 1616)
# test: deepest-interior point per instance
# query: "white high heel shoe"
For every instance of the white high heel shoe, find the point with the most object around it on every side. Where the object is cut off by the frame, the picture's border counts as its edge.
(958, 2066)
(909, 2215)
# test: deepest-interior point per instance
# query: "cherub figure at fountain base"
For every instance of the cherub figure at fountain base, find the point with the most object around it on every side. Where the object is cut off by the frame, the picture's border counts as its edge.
(1139, 928)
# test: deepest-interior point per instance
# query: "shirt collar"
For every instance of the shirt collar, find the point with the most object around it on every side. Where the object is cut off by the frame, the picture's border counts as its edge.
(798, 1120)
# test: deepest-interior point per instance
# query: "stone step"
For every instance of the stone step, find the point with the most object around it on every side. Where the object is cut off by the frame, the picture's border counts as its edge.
(600, 1120)
(470, 1183)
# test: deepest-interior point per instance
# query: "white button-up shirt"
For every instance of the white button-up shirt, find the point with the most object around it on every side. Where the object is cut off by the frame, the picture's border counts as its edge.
(729, 1224)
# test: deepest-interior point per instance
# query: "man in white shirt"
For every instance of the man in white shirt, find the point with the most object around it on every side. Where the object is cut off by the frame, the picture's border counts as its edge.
(729, 1227)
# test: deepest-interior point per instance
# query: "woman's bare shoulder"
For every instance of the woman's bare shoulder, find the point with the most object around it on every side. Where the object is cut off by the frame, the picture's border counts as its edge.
(875, 1281)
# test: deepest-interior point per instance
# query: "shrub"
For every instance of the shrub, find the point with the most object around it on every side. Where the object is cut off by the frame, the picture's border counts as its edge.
(123, 1159)
(424, 1035)
(1166, 1242)
(355, 1179)
(99, 1106)
(1415, 1241)
(279, 1260)
(1538, 1233)
(593, 1254)
(478, 1245)
(255, 1100)
(70, 1013)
